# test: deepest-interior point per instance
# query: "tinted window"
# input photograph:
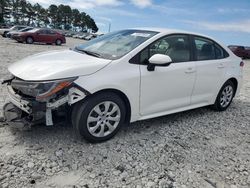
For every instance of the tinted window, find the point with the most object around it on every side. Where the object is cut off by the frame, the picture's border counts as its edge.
(219, 52)
(205, 49)
(50, 32)
(42, 31)
(208, 50)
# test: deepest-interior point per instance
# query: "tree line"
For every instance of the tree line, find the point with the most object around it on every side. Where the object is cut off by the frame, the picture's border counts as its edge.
(58, 17)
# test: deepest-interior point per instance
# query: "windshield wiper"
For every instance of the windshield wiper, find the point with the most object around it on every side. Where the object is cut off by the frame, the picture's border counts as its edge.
(89, 52)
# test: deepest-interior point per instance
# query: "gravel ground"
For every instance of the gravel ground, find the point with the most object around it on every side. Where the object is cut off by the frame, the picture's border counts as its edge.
(199, 148)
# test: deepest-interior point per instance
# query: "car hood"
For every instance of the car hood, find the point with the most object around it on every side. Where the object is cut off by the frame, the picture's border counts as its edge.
(14, 32)
(56, 65)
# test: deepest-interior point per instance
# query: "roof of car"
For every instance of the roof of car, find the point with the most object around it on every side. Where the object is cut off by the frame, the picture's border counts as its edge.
(170, 31)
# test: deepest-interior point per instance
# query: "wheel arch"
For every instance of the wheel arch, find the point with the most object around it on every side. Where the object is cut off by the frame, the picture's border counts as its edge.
(125, 99)
(59, 39)
(235, 82)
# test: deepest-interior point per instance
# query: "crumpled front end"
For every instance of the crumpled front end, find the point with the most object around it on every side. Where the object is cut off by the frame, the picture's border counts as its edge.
(37, 102)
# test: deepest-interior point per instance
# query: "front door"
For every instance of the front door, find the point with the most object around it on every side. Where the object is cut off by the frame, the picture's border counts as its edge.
(167, 88)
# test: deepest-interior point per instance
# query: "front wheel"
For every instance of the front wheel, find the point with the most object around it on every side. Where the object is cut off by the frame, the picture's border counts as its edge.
(100, 117)
(5, 34)
(225, 96)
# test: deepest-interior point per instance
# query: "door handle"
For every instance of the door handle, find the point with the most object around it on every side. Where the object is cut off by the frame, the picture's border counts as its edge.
(190, 70)
(221, 66)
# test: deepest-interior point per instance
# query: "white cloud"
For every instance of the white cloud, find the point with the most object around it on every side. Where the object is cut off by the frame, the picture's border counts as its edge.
(232, 10)
(104, 18)
(99, 24)
(107, 2)
(142, 3)
(240, 26)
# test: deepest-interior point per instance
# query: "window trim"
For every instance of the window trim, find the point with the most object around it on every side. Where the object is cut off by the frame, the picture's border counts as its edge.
(136, 58)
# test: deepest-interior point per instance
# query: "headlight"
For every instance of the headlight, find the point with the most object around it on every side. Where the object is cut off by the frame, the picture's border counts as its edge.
(41, 90)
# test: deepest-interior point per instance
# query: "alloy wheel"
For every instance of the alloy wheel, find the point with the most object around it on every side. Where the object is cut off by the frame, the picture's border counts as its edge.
(103, 119)
(226, 96)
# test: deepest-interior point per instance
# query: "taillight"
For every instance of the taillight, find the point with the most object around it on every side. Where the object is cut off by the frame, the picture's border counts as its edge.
(242, 64)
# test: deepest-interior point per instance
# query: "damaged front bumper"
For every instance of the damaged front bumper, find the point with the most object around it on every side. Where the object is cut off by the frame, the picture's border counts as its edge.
(21, 111)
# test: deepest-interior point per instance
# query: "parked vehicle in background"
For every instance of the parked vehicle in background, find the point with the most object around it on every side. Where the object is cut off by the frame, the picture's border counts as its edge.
(76, 36)
(248, 52)
(43, 35)
(69, 34)
(89, 37)
(240, 51)
(122, 77)
(13, 33)
(4, 32)
(5, 26)
(83, 36)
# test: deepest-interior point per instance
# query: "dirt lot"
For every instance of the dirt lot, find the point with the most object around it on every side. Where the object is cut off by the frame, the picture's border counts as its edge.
(199, 148)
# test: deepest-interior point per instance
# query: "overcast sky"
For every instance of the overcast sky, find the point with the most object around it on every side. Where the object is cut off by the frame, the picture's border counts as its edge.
(225, 20)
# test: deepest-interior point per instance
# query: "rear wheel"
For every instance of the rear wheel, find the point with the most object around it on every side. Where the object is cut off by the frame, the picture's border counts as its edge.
(225, 96)
(29, 40)
(58, 42)
(100, 117)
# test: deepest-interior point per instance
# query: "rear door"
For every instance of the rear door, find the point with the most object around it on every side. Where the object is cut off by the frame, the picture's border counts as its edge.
(51, 36)
(210, 65)
(41, 35)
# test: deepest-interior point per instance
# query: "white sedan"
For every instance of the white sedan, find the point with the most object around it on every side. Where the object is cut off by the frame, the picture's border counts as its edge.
(123, 77)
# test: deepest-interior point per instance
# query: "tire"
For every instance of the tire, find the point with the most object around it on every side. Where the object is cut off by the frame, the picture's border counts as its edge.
(29, 40)
(103, 113)
(5, 34)
(225, 96)
(58, 42)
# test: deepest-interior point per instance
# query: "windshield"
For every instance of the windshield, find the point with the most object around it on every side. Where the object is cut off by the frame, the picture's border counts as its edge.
(26, 29)
(116, 44)
(13, 27)
(33, 30)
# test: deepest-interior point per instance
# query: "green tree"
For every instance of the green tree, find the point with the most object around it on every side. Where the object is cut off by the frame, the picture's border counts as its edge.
(22, 11)
(4, 10)
(65, 13)
(52, 13)
(30, 14)
(76, 18)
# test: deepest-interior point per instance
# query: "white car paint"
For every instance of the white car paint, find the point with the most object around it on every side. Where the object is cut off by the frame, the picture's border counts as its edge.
(56, 65)
(4, 30)
(166, 90)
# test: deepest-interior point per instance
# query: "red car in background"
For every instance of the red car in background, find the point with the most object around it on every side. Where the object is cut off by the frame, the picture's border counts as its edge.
(248, 52)
(240, 51)
(41, 35)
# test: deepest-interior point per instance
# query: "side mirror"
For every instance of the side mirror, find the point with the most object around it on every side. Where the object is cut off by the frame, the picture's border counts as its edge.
(158, 60)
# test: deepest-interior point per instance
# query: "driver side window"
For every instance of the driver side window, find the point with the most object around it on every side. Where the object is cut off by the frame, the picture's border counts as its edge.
(177, 47)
